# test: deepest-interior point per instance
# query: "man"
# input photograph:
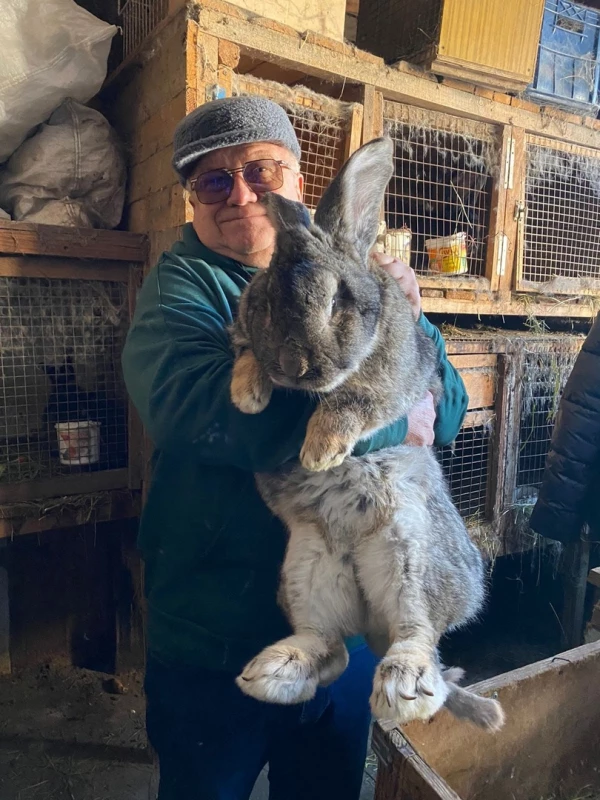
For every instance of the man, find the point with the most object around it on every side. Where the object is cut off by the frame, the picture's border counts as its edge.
(212, 550)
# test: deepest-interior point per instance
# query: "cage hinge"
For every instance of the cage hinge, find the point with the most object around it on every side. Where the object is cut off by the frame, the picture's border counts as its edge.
(502, 253)
(519, 211)
(509, 166)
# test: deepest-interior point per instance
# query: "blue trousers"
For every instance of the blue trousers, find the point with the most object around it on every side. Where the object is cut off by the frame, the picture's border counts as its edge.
(212, 741)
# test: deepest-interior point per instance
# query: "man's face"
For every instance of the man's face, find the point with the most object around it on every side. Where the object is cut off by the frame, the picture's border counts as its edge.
(238, 227)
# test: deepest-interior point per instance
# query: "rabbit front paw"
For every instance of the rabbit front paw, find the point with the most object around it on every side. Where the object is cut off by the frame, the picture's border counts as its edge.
(408, 685)
(250, 387)
(325, 452)
(281, 674)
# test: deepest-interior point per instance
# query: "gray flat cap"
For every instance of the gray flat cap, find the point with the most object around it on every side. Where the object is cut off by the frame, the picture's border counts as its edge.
(227, 122)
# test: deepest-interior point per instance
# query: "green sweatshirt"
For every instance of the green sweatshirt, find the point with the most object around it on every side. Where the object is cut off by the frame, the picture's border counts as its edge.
(212, 550)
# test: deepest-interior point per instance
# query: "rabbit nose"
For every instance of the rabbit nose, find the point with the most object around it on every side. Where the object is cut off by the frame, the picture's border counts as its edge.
(293, 365)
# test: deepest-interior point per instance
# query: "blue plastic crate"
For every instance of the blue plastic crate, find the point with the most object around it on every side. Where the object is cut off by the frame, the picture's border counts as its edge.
(568, 68)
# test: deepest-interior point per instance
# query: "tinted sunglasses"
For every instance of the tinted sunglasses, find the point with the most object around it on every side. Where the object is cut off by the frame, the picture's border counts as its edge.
(264, 175)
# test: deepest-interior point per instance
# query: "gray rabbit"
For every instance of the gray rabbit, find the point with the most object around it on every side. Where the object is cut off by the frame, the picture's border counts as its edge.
(376, 546)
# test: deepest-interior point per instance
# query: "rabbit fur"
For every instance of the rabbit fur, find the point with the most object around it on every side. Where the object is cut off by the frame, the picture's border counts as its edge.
(376, 546)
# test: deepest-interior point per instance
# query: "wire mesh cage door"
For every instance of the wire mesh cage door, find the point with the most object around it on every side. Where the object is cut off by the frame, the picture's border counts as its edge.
(328, 130)
(441, 195)
(559, 235)
(64, 424)
(545, 367)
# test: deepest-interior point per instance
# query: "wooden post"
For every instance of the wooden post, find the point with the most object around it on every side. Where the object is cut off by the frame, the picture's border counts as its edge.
(577, 562)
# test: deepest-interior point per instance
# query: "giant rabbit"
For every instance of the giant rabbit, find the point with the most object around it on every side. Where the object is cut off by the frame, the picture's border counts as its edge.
(376, 546)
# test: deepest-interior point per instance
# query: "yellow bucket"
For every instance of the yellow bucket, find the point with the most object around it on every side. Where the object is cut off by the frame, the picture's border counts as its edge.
(448, 254)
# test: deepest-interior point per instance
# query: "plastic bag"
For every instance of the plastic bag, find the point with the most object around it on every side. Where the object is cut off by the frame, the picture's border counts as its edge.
(49, 50)
(71, 172)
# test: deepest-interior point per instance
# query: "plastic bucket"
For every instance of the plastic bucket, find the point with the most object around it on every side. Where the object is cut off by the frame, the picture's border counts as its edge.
(78, 442)
(448, 254)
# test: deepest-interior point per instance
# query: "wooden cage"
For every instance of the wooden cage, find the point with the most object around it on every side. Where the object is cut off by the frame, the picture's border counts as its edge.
(66, 429)
(548, 748)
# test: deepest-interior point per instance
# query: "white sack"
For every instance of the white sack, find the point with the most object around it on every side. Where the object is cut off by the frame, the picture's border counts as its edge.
(49, 50)
(71, 172)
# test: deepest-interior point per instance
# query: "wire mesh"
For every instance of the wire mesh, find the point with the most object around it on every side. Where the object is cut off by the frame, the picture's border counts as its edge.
(443, 175)
(138, 19)
(562, 224)
(63, 401)
(466, 465)
(546, 371)
(321, 125)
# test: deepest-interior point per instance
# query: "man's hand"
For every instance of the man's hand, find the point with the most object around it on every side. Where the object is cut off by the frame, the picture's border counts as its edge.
(420, 423)
(405, 276)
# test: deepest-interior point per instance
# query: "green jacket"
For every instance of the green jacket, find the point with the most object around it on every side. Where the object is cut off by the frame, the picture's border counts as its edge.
(211, 548)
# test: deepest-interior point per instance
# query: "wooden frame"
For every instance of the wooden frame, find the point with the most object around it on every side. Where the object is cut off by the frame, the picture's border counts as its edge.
(56, 253)
(447, 759)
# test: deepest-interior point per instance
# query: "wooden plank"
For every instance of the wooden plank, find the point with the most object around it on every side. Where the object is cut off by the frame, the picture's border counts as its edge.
(372, 101)
(513, 219)
(476, 344)
(120, 505)
(551, 706)
(468, 361)
(480, 386)
(135, 430)
(498, 450)
(558, 286)
(402, 773)
(21, 238)
(479, 419)
(577, 564)
(454, 282)
(82, 483)
(63, 269)
(497, 249)
(509, 306)
(355, 130)
(262, 40)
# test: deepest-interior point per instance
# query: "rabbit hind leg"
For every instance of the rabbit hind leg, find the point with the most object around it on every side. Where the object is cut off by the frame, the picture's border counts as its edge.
(323, 603)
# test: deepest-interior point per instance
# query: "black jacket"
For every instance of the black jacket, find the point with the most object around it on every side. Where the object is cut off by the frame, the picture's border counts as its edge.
(570, 491)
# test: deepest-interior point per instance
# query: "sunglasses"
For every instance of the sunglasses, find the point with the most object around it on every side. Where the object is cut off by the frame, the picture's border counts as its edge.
(264, 175)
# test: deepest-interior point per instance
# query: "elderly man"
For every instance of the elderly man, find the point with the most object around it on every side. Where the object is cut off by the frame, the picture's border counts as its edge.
(212, 550)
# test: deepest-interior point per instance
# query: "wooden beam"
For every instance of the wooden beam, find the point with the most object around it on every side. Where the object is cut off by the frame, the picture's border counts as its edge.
(269, 41)
(511, 306)
(61, 268)
(82, 483)
(119, 505)
(21, 238)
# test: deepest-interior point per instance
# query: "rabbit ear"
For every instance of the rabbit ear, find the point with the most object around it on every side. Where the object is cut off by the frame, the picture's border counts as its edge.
(284, 213)
(350, 208)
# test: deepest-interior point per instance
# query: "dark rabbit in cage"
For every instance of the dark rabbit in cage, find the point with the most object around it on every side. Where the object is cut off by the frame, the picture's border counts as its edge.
(441, 187)
(68, 402)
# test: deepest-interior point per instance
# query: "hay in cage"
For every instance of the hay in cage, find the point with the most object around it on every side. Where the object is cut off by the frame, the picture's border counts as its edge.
(60, 348)
(444, 171)
(546, 371)
(562, 226)
(321, 125)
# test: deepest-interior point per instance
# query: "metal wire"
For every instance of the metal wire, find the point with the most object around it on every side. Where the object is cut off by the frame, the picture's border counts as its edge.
(562, 226)
(138, 19)
(466, 465)
(442, 181)
(59, 365)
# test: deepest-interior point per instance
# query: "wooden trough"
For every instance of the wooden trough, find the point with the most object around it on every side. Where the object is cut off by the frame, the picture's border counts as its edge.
(549, 748)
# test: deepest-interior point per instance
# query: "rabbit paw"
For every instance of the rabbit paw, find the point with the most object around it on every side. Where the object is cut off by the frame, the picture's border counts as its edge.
(326, 452)
(280, 674)
(408, 685)
(250, 387)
